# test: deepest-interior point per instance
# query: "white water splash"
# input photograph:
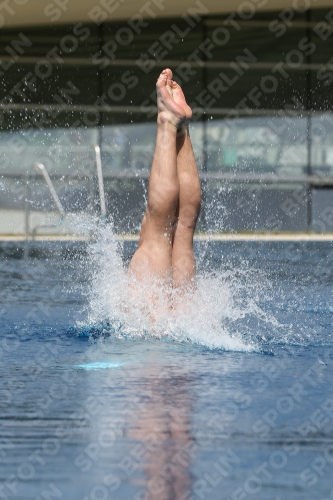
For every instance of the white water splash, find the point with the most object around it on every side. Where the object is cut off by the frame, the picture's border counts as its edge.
(220, 313)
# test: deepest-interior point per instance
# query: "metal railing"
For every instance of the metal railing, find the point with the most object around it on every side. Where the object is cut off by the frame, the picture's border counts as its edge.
(101, 191)
(42, 170)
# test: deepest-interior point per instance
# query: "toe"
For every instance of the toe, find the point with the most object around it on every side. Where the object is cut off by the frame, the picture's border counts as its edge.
(168, 72)
(169, 89)
(162, 80)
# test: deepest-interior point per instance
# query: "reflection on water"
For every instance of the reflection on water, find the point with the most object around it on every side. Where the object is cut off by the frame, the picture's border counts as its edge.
(165, 447)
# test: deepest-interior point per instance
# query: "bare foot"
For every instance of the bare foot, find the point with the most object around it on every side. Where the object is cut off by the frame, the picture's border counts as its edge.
(169, 111)
(179, 98)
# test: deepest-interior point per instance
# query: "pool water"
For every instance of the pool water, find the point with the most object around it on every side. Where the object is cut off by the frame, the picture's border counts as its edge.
(93, 411)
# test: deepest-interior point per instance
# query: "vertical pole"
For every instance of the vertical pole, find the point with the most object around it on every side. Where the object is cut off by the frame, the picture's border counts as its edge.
(98, 139)
(91, 188)
(309, 124)
(309, 172)
(100, 182)
(100, 85)
(26, 213)
(27, 204)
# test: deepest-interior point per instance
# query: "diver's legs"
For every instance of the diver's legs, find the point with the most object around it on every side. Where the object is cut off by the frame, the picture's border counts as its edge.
(183, 261)
(154, 255)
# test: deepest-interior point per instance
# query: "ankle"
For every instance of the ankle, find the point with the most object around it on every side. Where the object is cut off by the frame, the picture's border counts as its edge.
(183, 130)
(165, 121)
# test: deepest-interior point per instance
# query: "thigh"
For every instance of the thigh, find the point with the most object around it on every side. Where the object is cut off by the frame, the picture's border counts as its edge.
(153, 259)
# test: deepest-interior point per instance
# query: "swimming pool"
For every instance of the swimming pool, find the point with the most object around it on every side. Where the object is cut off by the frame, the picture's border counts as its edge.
(95, 412)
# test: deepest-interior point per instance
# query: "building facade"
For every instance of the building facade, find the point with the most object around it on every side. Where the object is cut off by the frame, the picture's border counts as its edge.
(259, 76)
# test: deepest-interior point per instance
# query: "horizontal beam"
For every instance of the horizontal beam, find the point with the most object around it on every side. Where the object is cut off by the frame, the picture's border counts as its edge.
(312, 180)
(228, 112)
(258, 237)
(258, 24)
(106, 62)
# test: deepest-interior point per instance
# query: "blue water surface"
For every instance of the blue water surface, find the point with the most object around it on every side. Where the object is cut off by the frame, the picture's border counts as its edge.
(90, 415)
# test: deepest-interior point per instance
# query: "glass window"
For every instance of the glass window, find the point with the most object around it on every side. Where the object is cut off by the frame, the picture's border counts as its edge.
(322, 144)
(260, 144)
(128, 147)
(322, 210)
(256, 207)
(62, 151)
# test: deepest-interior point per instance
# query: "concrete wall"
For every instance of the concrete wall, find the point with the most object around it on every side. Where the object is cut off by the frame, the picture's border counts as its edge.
(34, 12)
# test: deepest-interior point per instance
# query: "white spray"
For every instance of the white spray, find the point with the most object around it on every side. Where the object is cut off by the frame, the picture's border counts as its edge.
(217, 314)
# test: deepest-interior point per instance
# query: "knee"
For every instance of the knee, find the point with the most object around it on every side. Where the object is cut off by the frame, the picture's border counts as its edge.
(189, 212)
(163, 200)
